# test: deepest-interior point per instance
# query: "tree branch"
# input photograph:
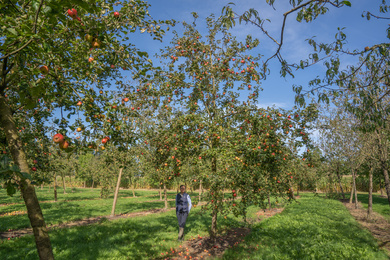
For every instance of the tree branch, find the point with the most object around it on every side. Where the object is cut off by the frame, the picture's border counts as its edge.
(29, 41)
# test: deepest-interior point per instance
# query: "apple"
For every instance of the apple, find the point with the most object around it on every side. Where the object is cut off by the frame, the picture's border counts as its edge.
(88, 38)
(44, 69)
(104, 140)
(58, 138)
(112, 66)
(79, 129)
(79, 103)
(34, 169)
(126, 99)
(96, 44)
(116, 14)
(90, 59)
(35, 161)
(63, 145)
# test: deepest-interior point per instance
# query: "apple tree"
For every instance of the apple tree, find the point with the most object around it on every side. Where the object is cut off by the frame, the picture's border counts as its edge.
(59, 54)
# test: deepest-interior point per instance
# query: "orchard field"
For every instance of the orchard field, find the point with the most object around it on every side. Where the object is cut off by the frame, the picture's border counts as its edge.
(279, 133)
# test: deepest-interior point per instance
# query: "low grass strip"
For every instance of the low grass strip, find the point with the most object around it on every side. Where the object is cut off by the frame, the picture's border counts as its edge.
(312, 228)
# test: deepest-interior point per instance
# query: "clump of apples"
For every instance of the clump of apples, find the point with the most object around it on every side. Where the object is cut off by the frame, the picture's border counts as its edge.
(60, 140)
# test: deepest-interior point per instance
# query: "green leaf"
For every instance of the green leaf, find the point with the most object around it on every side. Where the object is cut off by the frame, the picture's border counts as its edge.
(347, 3)
(13, 31)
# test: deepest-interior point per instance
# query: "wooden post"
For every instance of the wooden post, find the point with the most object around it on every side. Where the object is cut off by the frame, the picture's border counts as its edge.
(116, 192)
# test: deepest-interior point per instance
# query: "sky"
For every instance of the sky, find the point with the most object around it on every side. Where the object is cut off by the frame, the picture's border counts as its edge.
(277, 90)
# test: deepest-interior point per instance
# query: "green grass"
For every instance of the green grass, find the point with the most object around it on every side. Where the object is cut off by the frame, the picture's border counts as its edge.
(82, 206)
(313, 228)
(76, 194)
(133, 238)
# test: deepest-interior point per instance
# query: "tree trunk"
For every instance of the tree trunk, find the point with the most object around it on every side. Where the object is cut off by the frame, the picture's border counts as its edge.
(383, 155)
(354, 188)
(63, 183)
(269, 201)
(200, 190)
(213, 230)
(165, 196)
(369, 209)
(133, 190)
(55, 187)
(118, 184)
(351, 197)
(42, 186)
(85, 184)
(93, 183)
(160, 193)
(339, 179)
(15, 145)
(387, 183)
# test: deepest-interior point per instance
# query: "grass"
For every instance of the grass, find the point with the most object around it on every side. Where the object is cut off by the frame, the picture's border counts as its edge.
(143, 237)
(82, 204)
(313, 228)
(76, 194)
(379, 204)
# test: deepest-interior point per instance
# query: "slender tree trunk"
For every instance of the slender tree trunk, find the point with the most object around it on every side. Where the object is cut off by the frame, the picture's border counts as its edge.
(369, 209)
(354, 188)
(213, 230)
(63, 183)
(165, 196)
(200, 190)
(42, 186)
(118, 184)
(85, 184)
(133, 185)
(93, 183)
(387, 183)
(269, 201)
(55, 187)
(383, 155)
(339, 180)
(160, 193)
(15, 145)
(297, 189)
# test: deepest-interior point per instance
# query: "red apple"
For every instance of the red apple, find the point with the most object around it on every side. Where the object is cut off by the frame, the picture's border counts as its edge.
(116, 14)
(64, 145)
(104, 140)
(34, 169)
(58, 138)
(44, 69)
(79, 103)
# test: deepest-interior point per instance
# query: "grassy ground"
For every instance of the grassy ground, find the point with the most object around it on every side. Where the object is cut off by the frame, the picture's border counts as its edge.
(143, 237)
(313, 228)
(379, 204)
(76, 194)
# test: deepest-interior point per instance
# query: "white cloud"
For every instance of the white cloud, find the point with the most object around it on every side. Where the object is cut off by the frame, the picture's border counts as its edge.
(273, 104)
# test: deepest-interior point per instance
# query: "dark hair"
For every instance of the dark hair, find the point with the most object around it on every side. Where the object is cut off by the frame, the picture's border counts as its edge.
(182, 186)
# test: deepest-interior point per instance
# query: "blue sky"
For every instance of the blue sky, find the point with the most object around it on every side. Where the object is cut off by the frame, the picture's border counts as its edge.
(277, 90)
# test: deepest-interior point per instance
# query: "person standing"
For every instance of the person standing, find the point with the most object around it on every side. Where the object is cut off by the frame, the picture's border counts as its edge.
(183, 208)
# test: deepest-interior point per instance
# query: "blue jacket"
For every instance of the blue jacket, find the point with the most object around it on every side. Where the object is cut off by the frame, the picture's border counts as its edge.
(183, 203)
